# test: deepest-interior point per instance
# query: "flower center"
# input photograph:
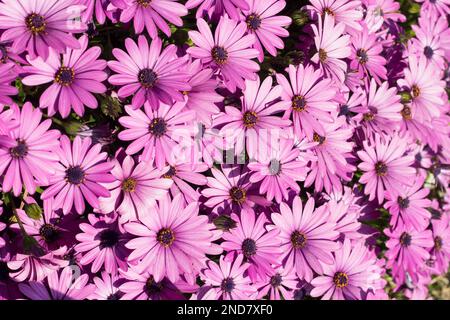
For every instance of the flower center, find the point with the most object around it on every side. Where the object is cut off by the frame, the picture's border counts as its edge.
(415, 90)
(253, 21)
(319, 139)
(298, 239)
(75, 175)
(108, 238)
(144, 3)
(20, 150)
(406, 113)
(49, 233)
(165, 237)
(35, 23)
(328, 11)
(227, 285)
(158, 127)
(298, 103)
(65, 76)
(129, 185)
(113, 296)
(340, 279)
(428, 52)
(276, 280)
(250, 119)
(322, 55)
(405, 239)
(381, 169)
(220, 55)
(153, 287)
(249, 247)
(362, 56)
(238, 195)
(438, 243)
(403, 202)
(147, 78)
(274, 167)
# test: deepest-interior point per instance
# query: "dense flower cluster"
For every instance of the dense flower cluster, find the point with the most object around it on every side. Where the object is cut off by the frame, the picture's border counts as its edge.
(223, 149)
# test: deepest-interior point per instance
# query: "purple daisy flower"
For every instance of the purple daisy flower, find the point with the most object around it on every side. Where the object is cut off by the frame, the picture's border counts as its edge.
(441, 249)
(106, 287)
(74, 79)
(216, 8)
(229, 51)
(345, 11)
(278, 284)
(307, 237)
(149, 74)
(81, 169)
(37, 26)
(28, 153)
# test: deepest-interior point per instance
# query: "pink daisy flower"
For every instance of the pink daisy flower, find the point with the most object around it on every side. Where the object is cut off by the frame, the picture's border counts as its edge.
(152, 14)
(385, 166)
(106, 287)
(308, 98)
(280, 171)
(332, 47)
(261, 248)
(63, 285)
(426, 89)
(262, 21)
(333, 151)
(409, 206)
(157, 132)
(440, 7)
(40, 25)
(216, 8)
(231, 191)
(441, 249)
(81, 169)
(229, 51)
(429, 44)
(345, 11)
(171, 241)
(254, 125)
(74, 79)
(8, 74)
(307, 237)
(408, 249)
(101, 8)
(384, 9)
(149, 74)
(134, 190)
(227, 279)
(278, 284)
(347, 277)
(102, 245)
(27, 153)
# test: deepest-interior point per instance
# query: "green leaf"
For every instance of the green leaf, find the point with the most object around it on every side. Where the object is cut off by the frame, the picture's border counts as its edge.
(33, 211)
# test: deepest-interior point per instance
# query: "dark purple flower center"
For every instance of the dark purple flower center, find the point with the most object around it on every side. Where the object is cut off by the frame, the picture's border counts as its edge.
(227, 285)
(250, 119)
(158, 127)
(249, 247)
(35, 23)
(129, 185)
(319, 139)
(415, 90)
(274, 167)
(405, 239)
(428, 52)
(113, 296)
(328, 11)
(276, 280)
(220, 55)
(152, 287)
(344, 110)
(403, 203)
(438, 243)
(49, 233)
(322, 55)
(238, 195)
(298, 103)
(253, 21)
(166, 237)
(4, 271)
(406, 113)
(75, 175)
(298, 239)
(340, 279)
(20, 150)
(4, 53)
(65, 76)
(170, 173)
(108, 238)
(381, 169)
(362, 55)
(147, 78)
